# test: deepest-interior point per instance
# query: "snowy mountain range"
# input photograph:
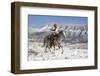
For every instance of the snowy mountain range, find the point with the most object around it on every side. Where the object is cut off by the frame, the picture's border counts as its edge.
(74, 33)
(45, 28)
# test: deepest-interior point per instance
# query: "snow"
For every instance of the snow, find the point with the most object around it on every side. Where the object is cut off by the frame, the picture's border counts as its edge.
(71, 51)
(75, 43)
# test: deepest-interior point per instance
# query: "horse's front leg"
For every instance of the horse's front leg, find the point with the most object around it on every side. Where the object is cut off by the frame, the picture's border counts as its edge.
(46, 49)
(60, 46)
(49, 49)
(62, 50)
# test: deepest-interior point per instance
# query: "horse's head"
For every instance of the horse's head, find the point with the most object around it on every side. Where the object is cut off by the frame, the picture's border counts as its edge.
(62, 34)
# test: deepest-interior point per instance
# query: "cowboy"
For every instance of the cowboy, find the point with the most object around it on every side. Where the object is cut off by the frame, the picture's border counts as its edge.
(55, 29)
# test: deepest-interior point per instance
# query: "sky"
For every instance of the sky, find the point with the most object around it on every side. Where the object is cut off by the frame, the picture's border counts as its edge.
(42, 20)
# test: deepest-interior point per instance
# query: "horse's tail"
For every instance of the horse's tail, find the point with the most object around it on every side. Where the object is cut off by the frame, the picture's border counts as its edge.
(44, 41)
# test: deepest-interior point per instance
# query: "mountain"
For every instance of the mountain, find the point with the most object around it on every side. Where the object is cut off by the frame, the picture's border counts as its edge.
(73, 33)
(76, 33)
(45, 28)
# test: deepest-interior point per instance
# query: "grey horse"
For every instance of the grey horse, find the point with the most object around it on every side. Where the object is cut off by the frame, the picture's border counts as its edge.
(53, 41)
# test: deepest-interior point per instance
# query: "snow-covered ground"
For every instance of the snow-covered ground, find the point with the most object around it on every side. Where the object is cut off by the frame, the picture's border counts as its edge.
(36, 52)
(75, 43)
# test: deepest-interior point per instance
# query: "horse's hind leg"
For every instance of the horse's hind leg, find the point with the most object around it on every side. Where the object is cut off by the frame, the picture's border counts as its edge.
(47, 48)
